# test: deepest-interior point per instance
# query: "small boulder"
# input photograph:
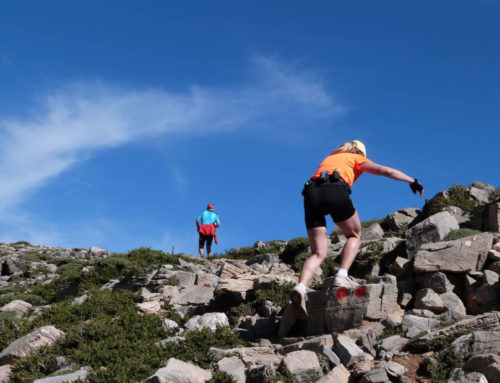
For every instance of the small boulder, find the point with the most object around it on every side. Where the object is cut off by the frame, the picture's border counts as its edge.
(303, 362)
(177, 371)
(339, 374)
(348, 351)
(208, 320)
(234, 367)
(77, 376)
(18, 307)
(427, 299)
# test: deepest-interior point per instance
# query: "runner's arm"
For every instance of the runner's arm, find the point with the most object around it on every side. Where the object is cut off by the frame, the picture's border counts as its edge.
(380, 170)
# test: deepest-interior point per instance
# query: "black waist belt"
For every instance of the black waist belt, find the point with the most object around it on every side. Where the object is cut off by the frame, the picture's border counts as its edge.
(326, 178)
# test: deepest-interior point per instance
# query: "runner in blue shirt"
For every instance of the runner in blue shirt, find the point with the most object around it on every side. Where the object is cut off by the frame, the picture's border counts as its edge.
(206, 223)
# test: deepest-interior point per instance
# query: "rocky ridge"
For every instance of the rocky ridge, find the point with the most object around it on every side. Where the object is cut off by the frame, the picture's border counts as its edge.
(428, 307)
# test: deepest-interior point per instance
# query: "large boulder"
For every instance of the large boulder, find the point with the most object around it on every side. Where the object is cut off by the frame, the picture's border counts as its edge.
(251, 356)
(43, 336)
(460, 376)
(18, 307)
(338, 308)
(432, 229)
(177, 371)
(208, 320)
(487, 364)
(459, 256)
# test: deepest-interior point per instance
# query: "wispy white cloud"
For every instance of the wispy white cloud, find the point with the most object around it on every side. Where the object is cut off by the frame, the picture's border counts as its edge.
(74, 121)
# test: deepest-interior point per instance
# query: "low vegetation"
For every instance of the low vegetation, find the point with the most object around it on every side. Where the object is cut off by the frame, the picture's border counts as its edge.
(460, 233)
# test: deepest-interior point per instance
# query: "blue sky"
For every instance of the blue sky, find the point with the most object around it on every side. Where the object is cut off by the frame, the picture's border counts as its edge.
(120, 120)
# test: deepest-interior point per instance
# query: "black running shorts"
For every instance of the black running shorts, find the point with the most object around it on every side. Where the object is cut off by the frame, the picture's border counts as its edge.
(205, 238)
(328, 198)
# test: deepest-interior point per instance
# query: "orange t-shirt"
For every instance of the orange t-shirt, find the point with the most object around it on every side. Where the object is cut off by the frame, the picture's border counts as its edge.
(347, 164)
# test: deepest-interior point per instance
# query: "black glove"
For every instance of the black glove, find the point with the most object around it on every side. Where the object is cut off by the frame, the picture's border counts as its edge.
(416, 186)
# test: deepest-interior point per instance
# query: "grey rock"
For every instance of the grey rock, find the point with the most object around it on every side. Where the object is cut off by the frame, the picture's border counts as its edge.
(490, 277)
(495, 266)
(338, 374)
(393, 344)
(460, 215)
(372, 233)
(258, 356)
(169, 324)
(432, 229)
(488, 321)
(398, 265)
(452, 302)
(18, 307)
(302, 362)
(57, 364)
(487, 364)
(268, 309)
(480, 195)
(460, 376)
(194, 295)
(186, 278)
(77, 376)
(347, 350)
(393, 369)
(97, 252)
(332, 357)
(261, 373)
(43, 336)
(427, 299)
(493, 217)
(437, 281)
(494, 255)
(459, 256)
(177, 371)
(313, 344)
(208, 320)
(486, 342)
(375, 375)
(234, 367)
(206, 279)
(414, 325)
(399, 219)
(5, 373)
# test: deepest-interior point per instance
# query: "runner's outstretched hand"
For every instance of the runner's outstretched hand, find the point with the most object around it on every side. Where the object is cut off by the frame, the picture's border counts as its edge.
(416, 186)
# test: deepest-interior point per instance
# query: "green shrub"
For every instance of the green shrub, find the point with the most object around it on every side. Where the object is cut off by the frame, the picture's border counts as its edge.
(26, 243)
(495, 195)
(446, 362)
(456, 195)
(330, 266)
(246, 252)
(417, 345)
(460, 233)
(27, 297)
(293, 248)
(299, 260)
(34, 257)
(221, 377)
(196, 347)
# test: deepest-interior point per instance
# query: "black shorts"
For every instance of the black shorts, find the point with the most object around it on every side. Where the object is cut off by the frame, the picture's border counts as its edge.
(327, 198)
(205, 238)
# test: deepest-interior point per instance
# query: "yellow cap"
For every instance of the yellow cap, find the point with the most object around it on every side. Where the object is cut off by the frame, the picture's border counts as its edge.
(360, 146)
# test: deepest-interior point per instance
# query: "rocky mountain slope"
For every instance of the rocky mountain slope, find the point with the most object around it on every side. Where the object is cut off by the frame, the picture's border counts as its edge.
(428, 308)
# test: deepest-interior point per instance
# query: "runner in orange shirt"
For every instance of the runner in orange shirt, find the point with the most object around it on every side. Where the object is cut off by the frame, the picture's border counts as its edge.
(327, 192)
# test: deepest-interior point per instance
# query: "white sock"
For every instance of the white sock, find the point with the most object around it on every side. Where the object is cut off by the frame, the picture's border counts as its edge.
(302, 287)
(342, 273)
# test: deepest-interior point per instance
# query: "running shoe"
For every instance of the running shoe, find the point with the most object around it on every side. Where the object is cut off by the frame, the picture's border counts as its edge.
(340, 281)
(298, 303)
